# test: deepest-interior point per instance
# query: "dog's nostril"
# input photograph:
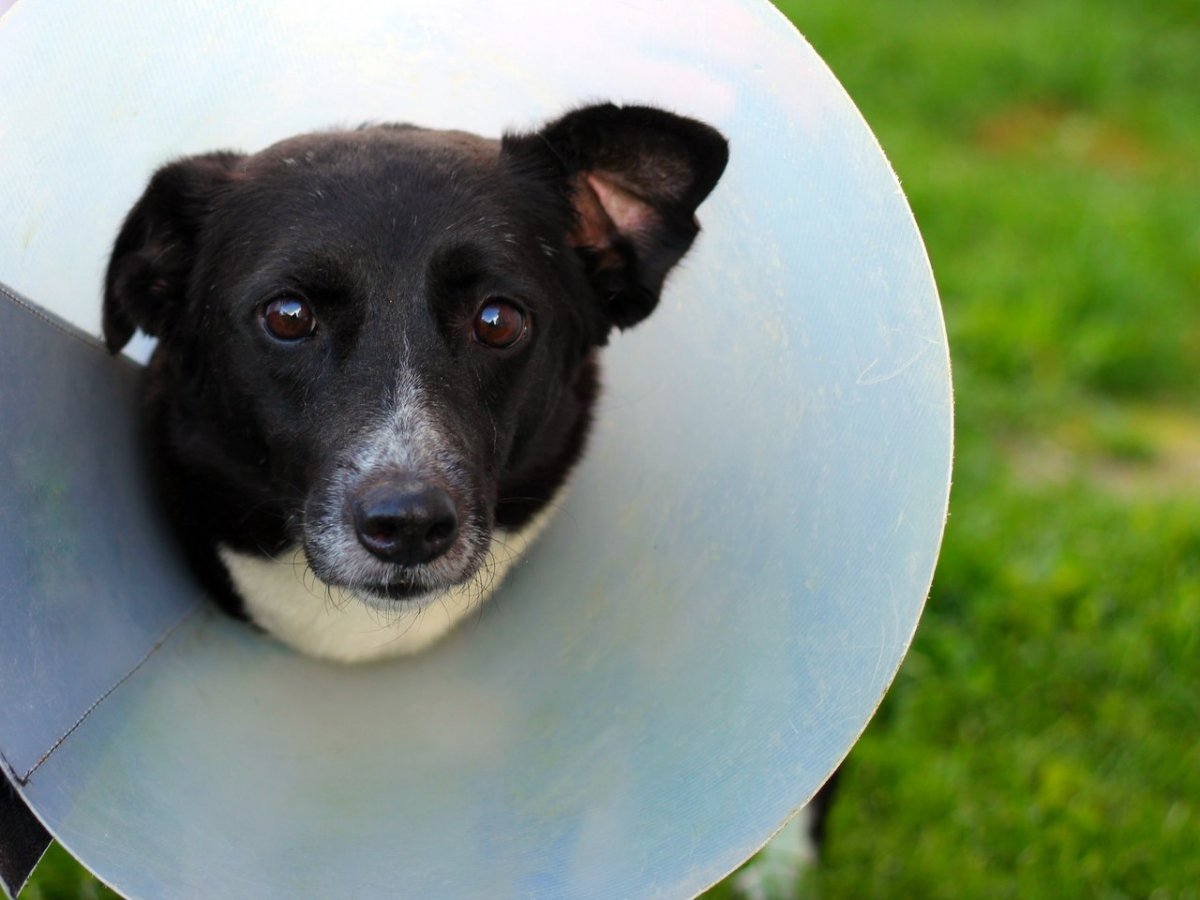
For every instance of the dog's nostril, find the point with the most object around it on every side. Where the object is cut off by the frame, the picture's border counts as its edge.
(405, 524)
(440, 531)
(379, 530)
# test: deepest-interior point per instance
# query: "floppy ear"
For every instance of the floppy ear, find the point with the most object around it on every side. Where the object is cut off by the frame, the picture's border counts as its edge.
(634, 176)
(152, 258)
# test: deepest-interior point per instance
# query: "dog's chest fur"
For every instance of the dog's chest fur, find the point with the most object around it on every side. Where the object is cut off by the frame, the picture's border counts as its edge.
(282, 596)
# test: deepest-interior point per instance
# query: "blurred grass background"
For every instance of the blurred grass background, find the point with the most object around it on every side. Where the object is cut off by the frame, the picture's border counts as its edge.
(1043, 737)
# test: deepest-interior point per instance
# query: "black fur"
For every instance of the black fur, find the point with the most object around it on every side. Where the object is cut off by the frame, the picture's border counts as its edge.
(395, 235)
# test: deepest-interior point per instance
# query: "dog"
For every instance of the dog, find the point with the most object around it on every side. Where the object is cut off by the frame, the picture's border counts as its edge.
(376, 360)
(377, 363)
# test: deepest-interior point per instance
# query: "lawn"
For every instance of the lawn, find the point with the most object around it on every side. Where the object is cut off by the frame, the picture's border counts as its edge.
(1043, 737)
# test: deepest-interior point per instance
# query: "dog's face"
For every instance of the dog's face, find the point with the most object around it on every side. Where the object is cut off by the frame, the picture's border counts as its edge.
(376, 345)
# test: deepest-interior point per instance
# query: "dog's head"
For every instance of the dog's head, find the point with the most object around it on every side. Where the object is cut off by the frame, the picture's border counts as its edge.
(376, 344)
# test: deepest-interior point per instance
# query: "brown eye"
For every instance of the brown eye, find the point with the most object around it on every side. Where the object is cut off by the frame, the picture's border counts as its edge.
(289, 319)
(499, 324)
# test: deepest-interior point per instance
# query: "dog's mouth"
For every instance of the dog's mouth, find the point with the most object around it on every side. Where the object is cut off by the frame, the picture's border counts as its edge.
(401, 590)
(376, 584)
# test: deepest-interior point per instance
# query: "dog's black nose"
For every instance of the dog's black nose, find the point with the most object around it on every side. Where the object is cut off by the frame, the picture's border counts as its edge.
(405, 524)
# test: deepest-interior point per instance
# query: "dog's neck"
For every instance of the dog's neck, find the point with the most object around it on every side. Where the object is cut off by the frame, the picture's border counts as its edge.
(282, 596)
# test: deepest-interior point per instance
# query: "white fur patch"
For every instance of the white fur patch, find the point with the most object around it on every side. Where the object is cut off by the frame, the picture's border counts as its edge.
(284, 598)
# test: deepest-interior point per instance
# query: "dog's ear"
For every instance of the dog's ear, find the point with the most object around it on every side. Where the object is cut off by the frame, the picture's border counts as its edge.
(152, 257)
(634, 176)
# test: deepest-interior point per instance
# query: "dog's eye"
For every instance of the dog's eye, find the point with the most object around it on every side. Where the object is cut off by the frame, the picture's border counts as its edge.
(288, 319)
(499, 324)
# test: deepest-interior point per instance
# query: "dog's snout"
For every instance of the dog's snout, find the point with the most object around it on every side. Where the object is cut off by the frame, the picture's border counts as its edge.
(405, 523)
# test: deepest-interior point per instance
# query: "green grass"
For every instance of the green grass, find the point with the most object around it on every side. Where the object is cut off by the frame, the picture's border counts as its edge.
(59, 877)
(1043, 737)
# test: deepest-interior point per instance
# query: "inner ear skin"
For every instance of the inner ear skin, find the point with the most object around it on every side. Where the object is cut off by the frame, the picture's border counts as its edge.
(607, 210)
(633, 177)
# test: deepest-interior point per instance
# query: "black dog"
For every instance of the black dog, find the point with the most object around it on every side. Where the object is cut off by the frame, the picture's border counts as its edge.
(376, 352)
